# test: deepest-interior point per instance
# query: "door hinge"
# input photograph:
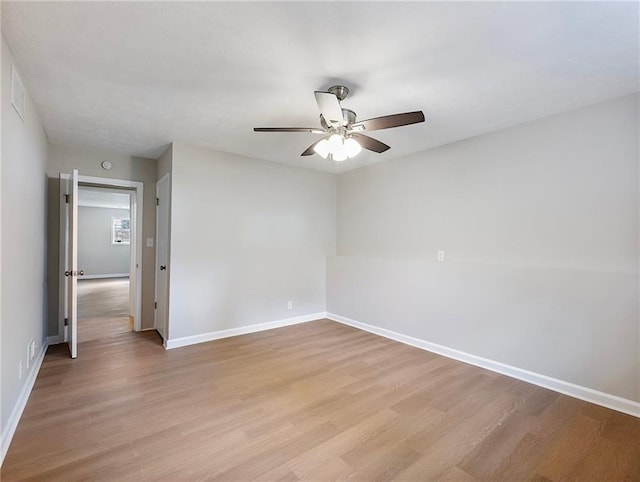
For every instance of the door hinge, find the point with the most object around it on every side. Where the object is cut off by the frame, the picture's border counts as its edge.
(66, 322)
(155, 305)
(66, 198)
(157, 201)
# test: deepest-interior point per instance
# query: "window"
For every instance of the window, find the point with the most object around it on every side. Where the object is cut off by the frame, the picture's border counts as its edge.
(120, 231)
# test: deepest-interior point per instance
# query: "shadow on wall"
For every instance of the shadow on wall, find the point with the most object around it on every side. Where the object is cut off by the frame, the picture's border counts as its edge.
(53, 249)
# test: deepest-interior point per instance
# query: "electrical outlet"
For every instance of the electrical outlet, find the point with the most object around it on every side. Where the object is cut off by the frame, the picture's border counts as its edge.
(20, 370)
(289, 305)
(28, 355)
(440, 255)
(33, 348)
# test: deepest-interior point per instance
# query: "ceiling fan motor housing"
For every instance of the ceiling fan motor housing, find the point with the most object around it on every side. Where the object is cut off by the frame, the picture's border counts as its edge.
(340, 91)
(347, 114)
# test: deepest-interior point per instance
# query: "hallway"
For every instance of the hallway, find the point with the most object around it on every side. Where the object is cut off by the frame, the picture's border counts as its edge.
(103, 308)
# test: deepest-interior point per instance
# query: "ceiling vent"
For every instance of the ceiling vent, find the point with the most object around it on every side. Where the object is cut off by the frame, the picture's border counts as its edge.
(17, 93)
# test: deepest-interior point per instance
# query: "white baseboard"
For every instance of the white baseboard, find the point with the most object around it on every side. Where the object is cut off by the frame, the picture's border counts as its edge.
(98, 276)
(577, 391)
(241, 330)
(12, 423)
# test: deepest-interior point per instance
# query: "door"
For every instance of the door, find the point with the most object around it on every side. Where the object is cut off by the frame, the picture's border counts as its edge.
(69, 252)
(162, 256)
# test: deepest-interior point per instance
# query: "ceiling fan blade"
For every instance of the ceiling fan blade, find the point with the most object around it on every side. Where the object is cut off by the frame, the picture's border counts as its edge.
(370, 143)
(388, 121)
(289, 129)
(309, 151)
(329, 106)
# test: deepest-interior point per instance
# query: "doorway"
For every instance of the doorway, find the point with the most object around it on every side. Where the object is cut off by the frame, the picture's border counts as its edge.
(104, 254)
(94, 287)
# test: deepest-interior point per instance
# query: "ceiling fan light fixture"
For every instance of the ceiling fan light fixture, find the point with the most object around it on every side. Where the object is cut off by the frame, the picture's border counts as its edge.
(339, 156)
(336, 142)
(352, 147)
(322, 148)
(337, 148)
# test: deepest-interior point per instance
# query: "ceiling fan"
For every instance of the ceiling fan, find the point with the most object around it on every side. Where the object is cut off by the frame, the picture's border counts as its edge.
(343, 136)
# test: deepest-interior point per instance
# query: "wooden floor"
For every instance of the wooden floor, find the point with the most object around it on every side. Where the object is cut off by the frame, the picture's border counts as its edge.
(316, 401)
(103, 308)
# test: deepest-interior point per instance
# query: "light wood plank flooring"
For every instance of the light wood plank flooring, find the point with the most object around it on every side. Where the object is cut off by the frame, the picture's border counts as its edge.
(316, 401)
(103, 308)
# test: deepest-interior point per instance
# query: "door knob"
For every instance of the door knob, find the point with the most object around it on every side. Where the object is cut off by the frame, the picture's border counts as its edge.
(163, 267)
(81, 272)
(67, 273)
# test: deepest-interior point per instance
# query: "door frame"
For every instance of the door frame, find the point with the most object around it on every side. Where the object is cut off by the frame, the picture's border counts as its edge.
(63, 235)
(135, 270)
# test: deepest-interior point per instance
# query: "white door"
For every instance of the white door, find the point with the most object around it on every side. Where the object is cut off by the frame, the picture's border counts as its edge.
(162, 255)
(69, 253)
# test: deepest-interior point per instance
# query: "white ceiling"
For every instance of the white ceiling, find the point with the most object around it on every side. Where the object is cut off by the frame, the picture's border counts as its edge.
(132, 77)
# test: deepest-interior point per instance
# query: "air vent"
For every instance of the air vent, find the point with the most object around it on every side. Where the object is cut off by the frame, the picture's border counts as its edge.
(17, 93)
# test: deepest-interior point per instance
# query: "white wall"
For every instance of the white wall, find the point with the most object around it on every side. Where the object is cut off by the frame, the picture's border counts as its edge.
(539, 224)
(87, 161)
(246, 237)
(96, 254)
(164, 163)
(23, 191)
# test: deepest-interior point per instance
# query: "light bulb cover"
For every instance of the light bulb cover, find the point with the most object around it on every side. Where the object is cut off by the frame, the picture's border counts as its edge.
(322, 148)
(336, 142)
(352, 147)
(338, 148)
(339, 156)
